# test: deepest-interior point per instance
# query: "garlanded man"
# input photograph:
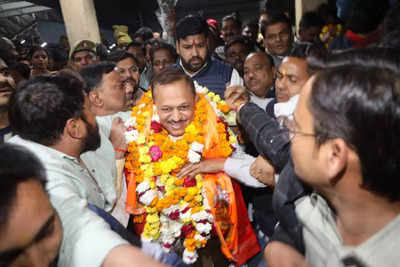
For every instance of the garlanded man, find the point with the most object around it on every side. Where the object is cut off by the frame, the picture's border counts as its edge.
(178, 147)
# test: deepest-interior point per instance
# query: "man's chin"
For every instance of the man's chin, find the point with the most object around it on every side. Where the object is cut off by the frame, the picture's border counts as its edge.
(176, 132)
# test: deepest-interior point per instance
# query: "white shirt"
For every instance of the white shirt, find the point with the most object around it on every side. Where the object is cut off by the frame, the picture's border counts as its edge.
(324, 245)
(87, 238)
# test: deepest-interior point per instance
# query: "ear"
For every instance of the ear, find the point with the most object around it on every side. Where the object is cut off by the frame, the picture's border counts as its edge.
(95, 99)
(73, 128)
(337, 153)
(177, 47)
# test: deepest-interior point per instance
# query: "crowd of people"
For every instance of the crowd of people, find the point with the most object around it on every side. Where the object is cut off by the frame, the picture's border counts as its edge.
(223, 144)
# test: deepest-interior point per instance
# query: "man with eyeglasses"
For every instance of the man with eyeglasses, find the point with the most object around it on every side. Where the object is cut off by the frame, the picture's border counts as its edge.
(236, 51)
(128, 66)
(82, 54)
(278, 36)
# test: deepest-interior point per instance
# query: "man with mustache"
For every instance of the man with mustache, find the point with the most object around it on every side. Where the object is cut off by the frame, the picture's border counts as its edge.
(6, 87)
(191, 44)
(236, 51)
(259, 78)
(128, 66)
(52, 117)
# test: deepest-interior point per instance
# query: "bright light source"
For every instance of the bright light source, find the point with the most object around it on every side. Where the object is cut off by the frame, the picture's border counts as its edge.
(112, 46)
(22, 42)
(43, 44)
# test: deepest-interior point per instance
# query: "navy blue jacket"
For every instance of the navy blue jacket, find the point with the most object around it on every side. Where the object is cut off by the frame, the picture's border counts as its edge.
(214, 76)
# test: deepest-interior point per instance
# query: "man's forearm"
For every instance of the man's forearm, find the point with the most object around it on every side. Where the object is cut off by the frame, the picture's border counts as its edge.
(127, 255)
(265, 134)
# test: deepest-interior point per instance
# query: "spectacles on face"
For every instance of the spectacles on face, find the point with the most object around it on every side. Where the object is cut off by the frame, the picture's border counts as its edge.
(122, 71)
(288, 124)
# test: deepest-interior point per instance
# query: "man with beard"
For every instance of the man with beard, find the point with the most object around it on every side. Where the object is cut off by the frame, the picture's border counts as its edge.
(23, 197)
(192, 47)
(51, 116)
(6, 87)
(236, 51)
(128, 67)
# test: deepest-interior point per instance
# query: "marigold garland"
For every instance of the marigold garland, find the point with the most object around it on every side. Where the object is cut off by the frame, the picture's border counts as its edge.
(176, 209)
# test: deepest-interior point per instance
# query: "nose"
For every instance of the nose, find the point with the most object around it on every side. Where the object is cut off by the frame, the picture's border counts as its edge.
(176, 115)
(195, 51)
(280, 84)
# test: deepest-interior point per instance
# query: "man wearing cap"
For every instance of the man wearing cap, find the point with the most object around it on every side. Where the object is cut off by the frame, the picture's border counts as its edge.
(82, 54)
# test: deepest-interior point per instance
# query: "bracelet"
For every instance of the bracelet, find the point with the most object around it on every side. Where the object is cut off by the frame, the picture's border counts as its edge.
(123, 151)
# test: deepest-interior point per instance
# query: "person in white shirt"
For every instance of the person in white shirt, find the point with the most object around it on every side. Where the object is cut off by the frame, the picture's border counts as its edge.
(51, 117)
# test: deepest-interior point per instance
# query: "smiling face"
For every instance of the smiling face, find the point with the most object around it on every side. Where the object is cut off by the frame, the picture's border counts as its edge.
(175, 103)
(236, 55)
(35, 242)
(229, 29)
(192, 51)
(6, 84)
(290, 78)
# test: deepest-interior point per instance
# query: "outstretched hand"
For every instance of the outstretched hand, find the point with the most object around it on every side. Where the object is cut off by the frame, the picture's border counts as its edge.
(204, 166)
(235, 96)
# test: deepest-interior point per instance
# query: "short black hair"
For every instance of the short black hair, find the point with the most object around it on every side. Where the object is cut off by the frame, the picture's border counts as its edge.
(120, 54)
(239, 40)
(367, 57)
(92, 74)
(39, 108)
(361, 105)
(190, 25)
(163, 46)
(145, 33)
(366, 15)
(310, 19)
(273, 18)
(137, 44)
(170, 75)
(35, 49)
(22, 69)
(17, 165)
(235, 17)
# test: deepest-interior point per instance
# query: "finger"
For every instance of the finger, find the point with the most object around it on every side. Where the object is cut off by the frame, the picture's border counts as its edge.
(185, 170)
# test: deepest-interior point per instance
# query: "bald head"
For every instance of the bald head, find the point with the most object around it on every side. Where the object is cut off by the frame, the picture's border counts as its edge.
(258, 73)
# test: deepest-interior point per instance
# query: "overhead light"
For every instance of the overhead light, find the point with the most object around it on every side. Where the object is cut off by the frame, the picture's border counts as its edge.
(22, 42)
(43, 44)
(112, 46)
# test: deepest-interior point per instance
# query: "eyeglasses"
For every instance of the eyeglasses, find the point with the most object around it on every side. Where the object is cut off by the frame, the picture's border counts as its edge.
(122, 71)
(288, 124)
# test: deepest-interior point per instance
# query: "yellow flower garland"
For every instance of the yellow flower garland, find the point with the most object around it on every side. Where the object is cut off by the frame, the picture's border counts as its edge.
(159, 175)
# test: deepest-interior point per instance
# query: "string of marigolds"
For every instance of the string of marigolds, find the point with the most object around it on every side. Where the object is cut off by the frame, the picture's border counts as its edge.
(177, 209)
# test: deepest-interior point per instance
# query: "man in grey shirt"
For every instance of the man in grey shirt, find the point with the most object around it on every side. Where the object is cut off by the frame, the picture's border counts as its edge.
(51, 117)
(352, 219)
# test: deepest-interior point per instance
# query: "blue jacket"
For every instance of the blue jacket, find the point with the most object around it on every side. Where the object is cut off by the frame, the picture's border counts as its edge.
(214, 76)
